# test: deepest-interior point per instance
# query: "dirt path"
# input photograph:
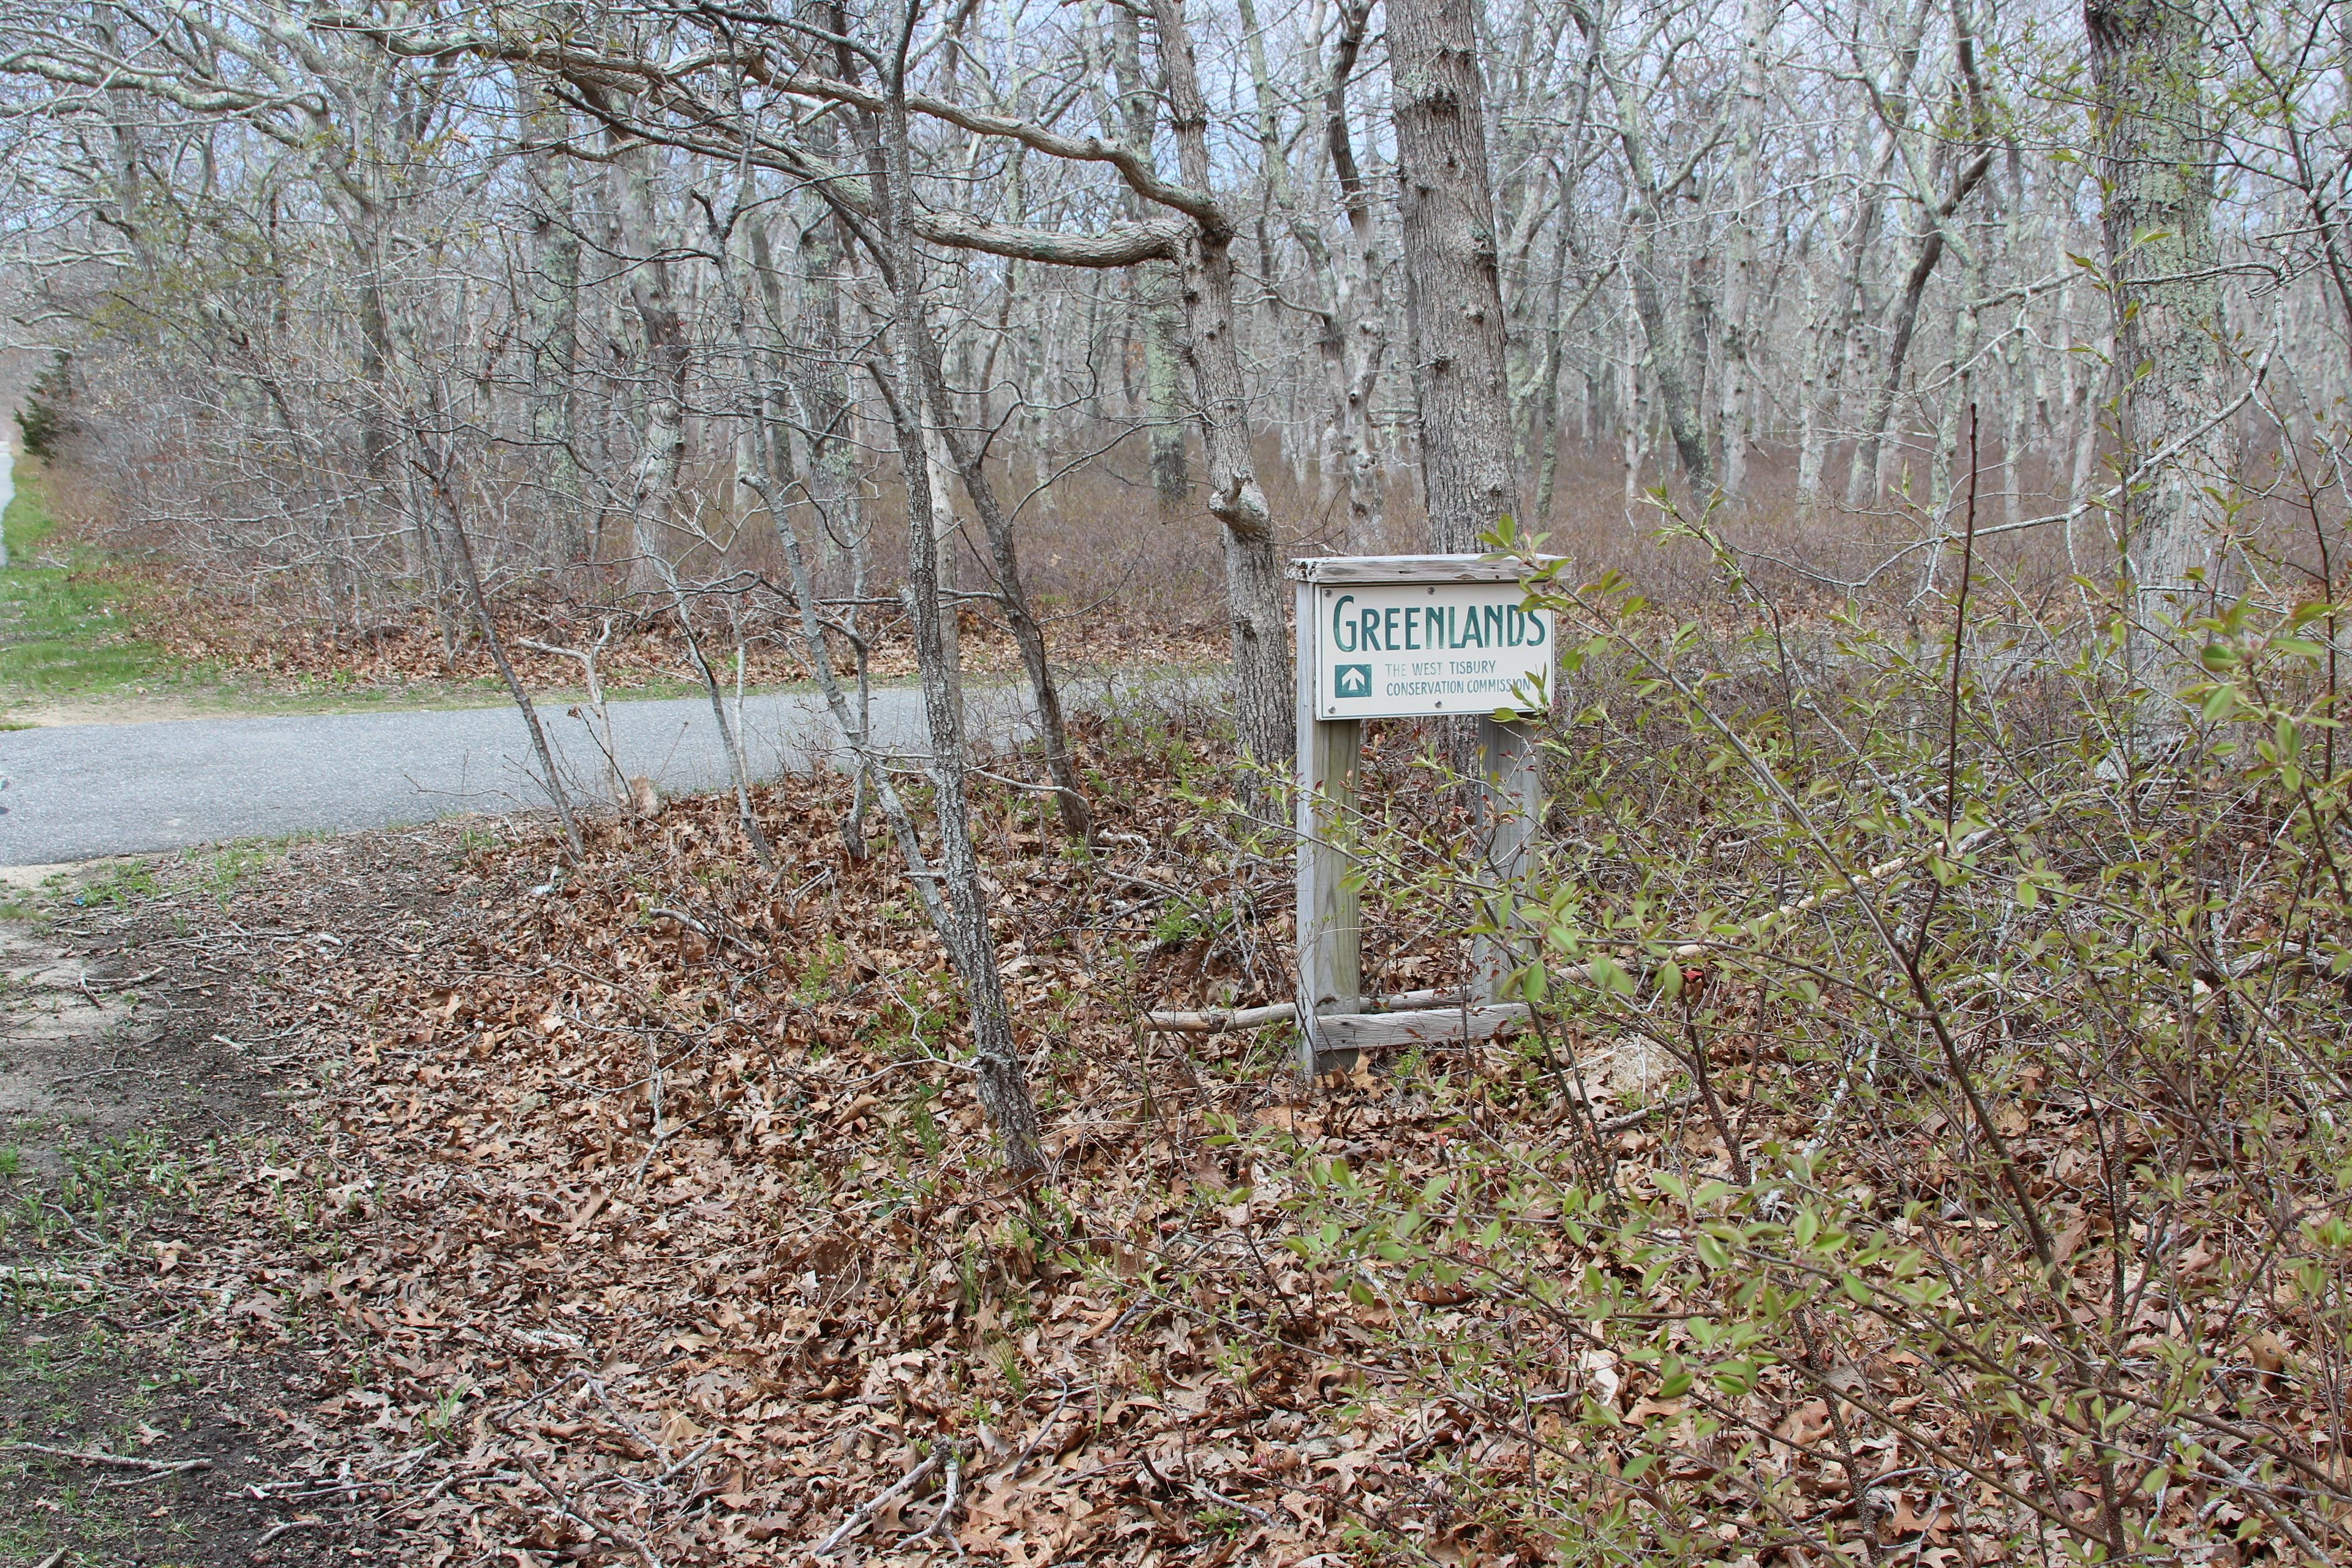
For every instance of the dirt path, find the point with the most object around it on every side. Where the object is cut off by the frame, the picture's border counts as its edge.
(132, 1083)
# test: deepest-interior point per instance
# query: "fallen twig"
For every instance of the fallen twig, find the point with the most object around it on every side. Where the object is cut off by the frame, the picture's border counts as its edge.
(1210, 1494)
(858, 1517)
(1618, 1123)
(1227, 1020)
(564, 1506)
(1039, 1436)
(947, 1506)
(700, 929)
(116, 1461)
(102, 1072)
(49, 1277)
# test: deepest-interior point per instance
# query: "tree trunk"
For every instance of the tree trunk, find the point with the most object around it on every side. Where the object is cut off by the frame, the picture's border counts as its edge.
(1262, 699)
(1360, 311)
(1812, 436)
(1005, 562)
(947, 529)
(1546, 443)
(1155, 284)
(999, 1075)
(1454, 297)
(1632, 411)
(1662, 324)
(1740, 267)
(1668, 349)
(554, 308)
(1874, 160)
(437, 474)
(1863, 480)
(2157, 151)
(821, 383)
(636, 240)
(1157, 293)
(815, 385)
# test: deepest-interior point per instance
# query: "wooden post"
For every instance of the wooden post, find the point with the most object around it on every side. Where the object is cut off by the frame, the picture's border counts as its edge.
(1510, 811)
(1330, 936)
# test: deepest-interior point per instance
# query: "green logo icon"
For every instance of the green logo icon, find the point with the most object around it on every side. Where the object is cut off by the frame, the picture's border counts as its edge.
(1352, 681)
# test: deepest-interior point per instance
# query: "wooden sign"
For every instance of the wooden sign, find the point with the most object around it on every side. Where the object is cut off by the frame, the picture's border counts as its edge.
(1396, 637)
(1407, 649)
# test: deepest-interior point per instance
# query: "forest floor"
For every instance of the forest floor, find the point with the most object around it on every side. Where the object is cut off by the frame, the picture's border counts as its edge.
(391, 1197)
(130, 1435)
(88, 638)
(333, 1178)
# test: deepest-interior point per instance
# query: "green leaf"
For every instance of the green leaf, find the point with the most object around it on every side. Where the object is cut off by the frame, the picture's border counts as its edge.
(1609, 976)
(1735, 1377)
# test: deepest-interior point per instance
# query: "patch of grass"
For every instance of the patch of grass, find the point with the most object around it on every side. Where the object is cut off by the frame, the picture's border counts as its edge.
(36, 906)
(28, 522)
(64, 623)
(120, 884)
(69, 1380)
(102, 1200)
(242, 860)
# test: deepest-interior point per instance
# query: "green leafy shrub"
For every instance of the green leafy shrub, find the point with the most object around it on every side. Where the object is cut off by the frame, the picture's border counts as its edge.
(1988, 1202)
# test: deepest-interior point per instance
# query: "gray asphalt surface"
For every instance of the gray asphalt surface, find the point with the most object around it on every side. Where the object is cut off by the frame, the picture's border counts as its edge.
(77, 791)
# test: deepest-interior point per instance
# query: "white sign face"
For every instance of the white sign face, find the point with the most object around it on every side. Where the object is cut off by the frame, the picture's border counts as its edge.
(1401, 650)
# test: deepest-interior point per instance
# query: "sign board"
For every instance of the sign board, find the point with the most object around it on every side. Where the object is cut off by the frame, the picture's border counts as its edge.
(1399, 636)
(1398, 650)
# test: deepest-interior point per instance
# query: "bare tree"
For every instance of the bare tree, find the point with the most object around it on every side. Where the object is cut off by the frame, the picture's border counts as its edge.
(1774, 247)
(2157, 155)
(1453, 298)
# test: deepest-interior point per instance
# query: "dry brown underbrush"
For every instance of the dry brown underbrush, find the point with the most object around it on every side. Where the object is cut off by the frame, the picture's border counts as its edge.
(408, 645)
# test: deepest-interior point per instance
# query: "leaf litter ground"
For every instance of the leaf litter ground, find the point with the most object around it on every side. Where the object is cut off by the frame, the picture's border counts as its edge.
(646, 1216)
(640, 1212)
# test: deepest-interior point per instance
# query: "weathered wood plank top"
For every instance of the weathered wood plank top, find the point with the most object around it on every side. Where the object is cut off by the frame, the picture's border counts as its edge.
(1323, 569)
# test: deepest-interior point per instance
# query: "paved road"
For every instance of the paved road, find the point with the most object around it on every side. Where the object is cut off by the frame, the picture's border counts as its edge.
(75, 791)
